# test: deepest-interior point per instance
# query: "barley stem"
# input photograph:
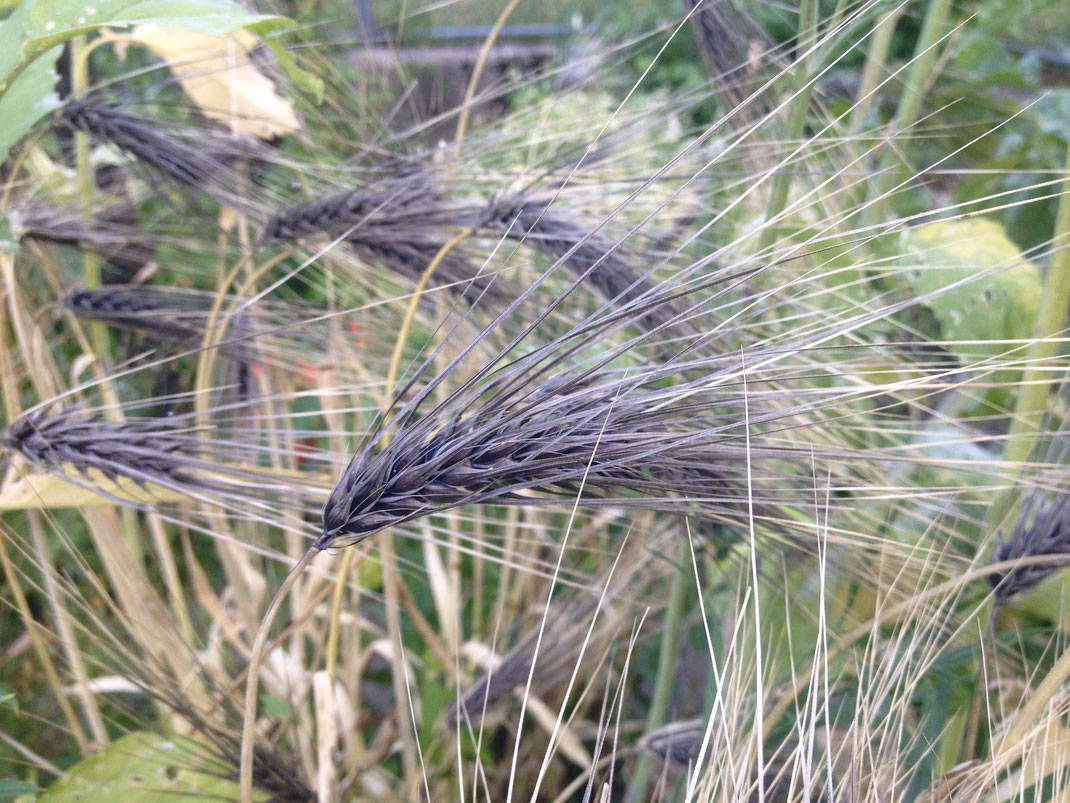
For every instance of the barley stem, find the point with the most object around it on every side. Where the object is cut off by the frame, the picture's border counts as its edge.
(252, 683)
(1051, 319)
(800, 105)
(1015, 739)
(477, 74)
(65, 628)
(389, 564)
(391, 380)
(925, 56)
(874, 69)
(666, 676)
(84, 171)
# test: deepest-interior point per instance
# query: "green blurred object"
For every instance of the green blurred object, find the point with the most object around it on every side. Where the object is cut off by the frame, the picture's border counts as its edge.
(149, 768)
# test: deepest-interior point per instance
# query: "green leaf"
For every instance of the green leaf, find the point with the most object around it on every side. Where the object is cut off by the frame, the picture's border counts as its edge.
(53, 22)
(29, 98)
(1002, 306)
(13, 33)
(11, 789)
(31, 34)
(7, 696)
(148, 768)
(275, 707)
(288, 61)
(1052, 113)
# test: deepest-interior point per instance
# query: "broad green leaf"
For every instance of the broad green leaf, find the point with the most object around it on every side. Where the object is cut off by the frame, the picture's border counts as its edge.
(11, 789)
(55, 21)
(148, 768)
(30, 35)
(1052, 113)
(29, 98)
(13, 33)
(1002, 306)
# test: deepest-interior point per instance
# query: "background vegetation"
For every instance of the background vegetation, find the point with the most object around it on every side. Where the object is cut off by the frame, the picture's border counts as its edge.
(748, 325)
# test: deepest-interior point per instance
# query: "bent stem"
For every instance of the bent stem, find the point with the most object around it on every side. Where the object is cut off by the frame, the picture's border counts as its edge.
(252, 684)
(389, 563)
(477, 74)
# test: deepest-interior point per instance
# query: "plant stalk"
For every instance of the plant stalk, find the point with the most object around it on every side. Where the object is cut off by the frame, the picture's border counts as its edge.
(1038, 378)
(919, 76)
(666, 677)
(778, 196)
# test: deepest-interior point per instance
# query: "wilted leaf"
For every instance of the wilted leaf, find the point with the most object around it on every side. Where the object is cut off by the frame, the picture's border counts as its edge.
(44, 491)
(218, 75)
(150, 768)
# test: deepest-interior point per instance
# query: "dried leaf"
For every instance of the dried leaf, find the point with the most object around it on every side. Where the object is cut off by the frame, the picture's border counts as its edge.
(40, 491)
(567, 741)
(219, 76)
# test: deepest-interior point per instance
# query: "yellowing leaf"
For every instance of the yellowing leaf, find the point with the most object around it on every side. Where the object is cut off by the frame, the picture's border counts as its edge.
(42, 491)
(219, 76)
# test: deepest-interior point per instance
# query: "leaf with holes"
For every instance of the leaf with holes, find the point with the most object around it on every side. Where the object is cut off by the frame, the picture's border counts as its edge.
(150, 768)
(983, 291)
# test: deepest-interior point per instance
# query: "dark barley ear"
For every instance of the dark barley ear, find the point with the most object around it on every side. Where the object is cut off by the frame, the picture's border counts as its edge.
(409, 200)
(165, 315)
(401, 223)
(107, 228)
(391, 223)
(726, 36)
(1042, 529)
(589, 443)
(678, 742)
(165, 451)
(142, 451)
(204, 168)
(408, 252)
(587, 253)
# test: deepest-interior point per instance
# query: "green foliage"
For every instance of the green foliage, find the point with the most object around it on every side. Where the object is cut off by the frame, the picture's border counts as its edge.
(31, 35)
(11, 789)
(1002, 306)
(29, 98)
(147, 767)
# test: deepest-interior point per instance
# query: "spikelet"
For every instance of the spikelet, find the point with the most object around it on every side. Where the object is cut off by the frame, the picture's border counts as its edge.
(1042, 529)
(204, 167)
